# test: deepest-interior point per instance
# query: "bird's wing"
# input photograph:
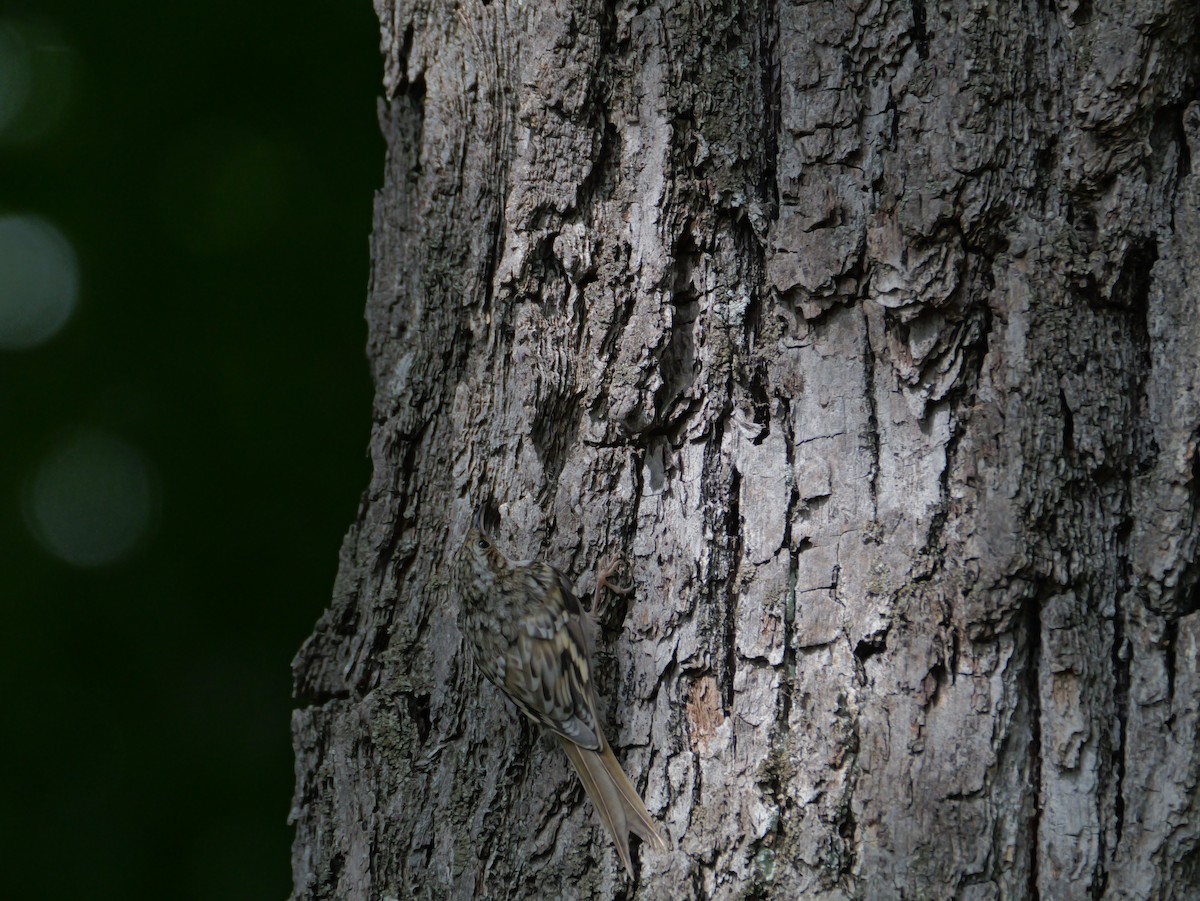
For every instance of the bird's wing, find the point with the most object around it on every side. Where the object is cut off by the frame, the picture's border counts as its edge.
(548, 673)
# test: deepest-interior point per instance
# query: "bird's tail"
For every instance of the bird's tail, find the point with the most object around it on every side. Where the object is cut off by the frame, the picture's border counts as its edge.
(616, 800)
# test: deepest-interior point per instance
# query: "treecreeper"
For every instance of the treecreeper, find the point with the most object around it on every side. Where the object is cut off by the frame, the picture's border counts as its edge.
(526, 630)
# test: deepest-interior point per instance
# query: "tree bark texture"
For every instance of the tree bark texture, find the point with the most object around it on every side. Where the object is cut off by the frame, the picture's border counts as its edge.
(868, 334)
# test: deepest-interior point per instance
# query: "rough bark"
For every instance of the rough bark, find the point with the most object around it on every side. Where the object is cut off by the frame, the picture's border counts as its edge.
(868, 333)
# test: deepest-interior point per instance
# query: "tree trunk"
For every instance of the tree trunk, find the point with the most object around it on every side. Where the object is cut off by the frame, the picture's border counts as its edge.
(867, 334)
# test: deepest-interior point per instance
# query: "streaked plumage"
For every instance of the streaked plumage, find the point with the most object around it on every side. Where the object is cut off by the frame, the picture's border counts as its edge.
(525, 628)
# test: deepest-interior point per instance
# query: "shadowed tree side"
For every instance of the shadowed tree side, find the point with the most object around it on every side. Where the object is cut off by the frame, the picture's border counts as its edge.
(867, 336)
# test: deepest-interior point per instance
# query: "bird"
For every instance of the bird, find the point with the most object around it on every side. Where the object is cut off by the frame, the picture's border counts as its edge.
(527, 633)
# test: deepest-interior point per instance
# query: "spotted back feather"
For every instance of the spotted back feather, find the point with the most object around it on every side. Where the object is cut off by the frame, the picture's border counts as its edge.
(526, 631)
(525, 627)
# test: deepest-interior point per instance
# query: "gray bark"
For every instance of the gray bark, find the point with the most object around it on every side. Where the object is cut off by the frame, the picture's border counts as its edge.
(868, 334)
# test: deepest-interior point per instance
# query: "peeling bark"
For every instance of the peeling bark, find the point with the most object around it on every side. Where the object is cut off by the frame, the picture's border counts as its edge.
(868, 335)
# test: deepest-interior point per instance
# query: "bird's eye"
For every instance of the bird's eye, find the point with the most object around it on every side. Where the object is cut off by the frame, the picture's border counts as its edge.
(482, 544)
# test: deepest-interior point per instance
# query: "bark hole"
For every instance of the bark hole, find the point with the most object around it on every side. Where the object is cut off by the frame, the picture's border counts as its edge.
(418, 711)
(920, 37)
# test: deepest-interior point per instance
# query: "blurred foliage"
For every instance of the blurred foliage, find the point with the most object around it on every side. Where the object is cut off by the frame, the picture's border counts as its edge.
(213, 167)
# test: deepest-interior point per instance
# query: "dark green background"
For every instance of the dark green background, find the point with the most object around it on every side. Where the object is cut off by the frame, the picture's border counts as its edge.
(213, 166)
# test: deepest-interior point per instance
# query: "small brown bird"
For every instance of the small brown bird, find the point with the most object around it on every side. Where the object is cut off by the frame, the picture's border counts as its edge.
(525, 628)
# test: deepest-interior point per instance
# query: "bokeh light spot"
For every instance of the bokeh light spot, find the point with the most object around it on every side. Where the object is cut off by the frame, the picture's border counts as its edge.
(39, 281)
(15, 73)
(36, 71)
(90, 501)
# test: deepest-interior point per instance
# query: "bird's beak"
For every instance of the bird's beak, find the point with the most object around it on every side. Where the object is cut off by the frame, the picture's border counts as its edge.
(477, 522)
